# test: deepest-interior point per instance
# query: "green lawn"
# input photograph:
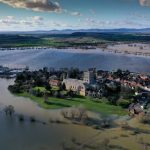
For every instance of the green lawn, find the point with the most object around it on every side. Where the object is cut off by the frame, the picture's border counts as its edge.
(42, 89)
(55, 88)
(56, 103)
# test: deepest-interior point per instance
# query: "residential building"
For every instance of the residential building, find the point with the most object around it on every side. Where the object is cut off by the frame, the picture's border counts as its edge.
(54, 83)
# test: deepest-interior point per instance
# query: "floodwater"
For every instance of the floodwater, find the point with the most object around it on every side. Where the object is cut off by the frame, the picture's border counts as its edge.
(25, 135)
(82, 59)
(16, 135)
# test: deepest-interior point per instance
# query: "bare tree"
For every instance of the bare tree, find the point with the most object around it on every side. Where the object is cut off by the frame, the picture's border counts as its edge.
(9, 110)
(82, 113)
(64, 113)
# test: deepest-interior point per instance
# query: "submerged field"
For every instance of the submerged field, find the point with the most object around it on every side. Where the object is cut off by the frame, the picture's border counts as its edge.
(135, 136)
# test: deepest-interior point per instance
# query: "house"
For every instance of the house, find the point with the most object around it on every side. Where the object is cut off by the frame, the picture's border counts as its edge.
(95, 94)
(76, 85)
(112, 85)
(54, 83)
(135, 108)
(144, 77)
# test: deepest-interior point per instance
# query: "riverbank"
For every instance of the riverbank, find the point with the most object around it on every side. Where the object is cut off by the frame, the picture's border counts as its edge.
(137, 49)
(88, 103)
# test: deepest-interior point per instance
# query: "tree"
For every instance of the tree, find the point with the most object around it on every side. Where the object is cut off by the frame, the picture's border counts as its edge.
(82, 113)
(124, 102)
(118, 73)
(70, 93)
(113, 99)
(9, 110)
(63, 87)
(57, 94)
(45, 97)
(21, 118)
(15, 88)
(38, 81)
(38, 93)
(74, 72)
(48, 87)
(45, 69)
(20, 77)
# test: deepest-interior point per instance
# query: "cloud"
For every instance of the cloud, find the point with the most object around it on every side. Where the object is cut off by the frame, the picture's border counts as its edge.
(35, 5)
(139, 16)
(59, 24)
(145, 2)
(11, 23)
(125, 23)
(76, 13)
(37, 18)
(30, 21)
(72, 13)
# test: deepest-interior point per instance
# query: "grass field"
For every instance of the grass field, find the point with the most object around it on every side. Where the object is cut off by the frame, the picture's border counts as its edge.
(76, 39)
(42, 89)
(56, 103)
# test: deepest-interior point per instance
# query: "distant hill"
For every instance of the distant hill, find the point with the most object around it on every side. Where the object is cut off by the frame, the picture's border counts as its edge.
(70, 31)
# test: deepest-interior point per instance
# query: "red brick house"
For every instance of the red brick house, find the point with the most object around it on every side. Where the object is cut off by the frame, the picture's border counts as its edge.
(54, 83)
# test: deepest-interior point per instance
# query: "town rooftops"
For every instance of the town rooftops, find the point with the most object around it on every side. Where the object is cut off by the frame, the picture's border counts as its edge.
(54, 82)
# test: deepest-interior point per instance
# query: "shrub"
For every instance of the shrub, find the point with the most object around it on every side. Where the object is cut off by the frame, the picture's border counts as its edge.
(124, 103)
(106, 123)
(32, 119)
(21, 118)
(124, 125)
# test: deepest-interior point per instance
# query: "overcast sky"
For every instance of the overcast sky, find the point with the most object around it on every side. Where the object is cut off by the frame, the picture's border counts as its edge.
(73, 14)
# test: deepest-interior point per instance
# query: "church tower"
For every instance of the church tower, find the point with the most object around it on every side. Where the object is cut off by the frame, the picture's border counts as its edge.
(89, 77)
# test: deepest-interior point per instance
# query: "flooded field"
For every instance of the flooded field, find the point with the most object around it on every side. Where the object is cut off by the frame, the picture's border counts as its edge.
(74, 58)
(34, 136)
(26, 135)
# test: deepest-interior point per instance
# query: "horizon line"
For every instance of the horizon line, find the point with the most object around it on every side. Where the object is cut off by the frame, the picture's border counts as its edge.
(75, 29)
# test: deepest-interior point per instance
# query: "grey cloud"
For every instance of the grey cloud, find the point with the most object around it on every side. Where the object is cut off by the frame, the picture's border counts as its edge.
(35, 5)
